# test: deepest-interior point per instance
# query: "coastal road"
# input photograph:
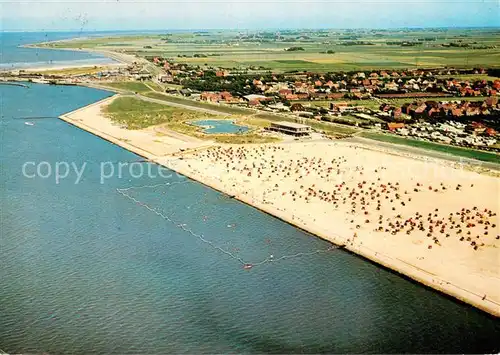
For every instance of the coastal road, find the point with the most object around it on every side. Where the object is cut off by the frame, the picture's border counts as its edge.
(424, 152)
(187, 107)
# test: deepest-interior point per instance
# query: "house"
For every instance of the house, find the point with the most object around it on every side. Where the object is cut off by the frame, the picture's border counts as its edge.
(294, 129)
(456, 112)
(254, 97)
(491, 101)
(291, 97)
(166, 78)
(384, 107)
(407, 108)
(391, 126)
(396, 112)
(490, 132)
(284, 92)
(221, 73)
(210, 97)
(476, 128)
(254, 103)
(296, 107)
(420, 109)
(433, 112)
(330, 84)
(335, 95)
(472, 111)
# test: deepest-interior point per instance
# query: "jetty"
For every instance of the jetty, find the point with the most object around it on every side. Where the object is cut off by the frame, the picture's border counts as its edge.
(33, 117)
(13, 84)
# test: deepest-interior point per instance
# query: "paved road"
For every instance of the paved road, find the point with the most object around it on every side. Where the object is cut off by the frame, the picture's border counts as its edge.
(425, 152)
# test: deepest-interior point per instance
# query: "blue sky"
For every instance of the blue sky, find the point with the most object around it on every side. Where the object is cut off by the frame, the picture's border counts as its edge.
(93, 15)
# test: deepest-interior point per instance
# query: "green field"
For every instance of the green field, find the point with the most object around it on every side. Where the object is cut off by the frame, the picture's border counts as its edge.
(374, 104)
(227, 49)
(134, 114)
(400, 102)
(134, 86)
(472, 77)
(457, 151)
(199, 104)
(369, 103)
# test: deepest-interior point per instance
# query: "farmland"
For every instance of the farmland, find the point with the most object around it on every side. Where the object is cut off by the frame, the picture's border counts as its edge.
(326, 55)
(328, 50)
(139, 87)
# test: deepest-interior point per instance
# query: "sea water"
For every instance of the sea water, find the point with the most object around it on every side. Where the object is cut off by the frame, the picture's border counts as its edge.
(85, 270)
(220, 126)
(14, 56)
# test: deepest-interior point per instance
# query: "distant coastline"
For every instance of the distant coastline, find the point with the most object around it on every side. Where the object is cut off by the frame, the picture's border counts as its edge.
(40, 58)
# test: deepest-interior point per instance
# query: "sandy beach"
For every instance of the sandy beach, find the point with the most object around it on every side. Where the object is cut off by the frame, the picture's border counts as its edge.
(431, 221)
(120, 60)
(41, 69)
(153, 142)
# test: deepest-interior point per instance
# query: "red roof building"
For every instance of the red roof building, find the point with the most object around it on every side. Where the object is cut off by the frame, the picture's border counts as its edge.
(491, 132)
(394, 126)
(285, 92)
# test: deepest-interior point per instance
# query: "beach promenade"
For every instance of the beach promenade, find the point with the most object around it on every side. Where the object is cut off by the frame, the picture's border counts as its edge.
(428, 220)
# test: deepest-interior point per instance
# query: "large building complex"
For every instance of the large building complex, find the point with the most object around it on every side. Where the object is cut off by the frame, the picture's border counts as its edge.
(294, 129)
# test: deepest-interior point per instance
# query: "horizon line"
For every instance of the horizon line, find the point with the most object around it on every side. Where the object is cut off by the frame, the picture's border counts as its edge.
(250, 29)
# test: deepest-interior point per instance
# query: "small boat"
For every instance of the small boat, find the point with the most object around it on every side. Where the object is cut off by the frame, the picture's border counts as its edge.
(247, 266)
(29, 123)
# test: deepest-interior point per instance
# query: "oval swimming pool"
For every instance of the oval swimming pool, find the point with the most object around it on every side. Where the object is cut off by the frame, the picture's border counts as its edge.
(220, 126)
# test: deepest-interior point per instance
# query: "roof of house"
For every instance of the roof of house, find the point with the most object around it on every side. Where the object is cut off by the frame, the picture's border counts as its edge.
(391, 126)
(290, 124)
(254, 97)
